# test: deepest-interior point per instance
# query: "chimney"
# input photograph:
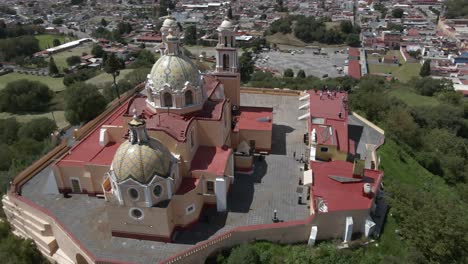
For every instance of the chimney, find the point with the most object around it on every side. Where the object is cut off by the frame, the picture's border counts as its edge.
(358, 168)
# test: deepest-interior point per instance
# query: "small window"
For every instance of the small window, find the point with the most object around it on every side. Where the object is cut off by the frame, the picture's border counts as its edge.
(136, 213)
(188, 98)
(190, 209)
(323, 149)
(157, 190)
(167, 100)
(133, 193)
(210, 187)
(225, 41)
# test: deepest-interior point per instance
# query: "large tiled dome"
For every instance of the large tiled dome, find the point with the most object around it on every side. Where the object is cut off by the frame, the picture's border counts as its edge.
(141, 161)
(174, 70)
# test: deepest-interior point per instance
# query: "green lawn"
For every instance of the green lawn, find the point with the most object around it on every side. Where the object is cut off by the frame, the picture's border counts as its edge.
(411, 98)
(47, 40)
(61, 57)
(404, 72)
(59, 117)
(105, 77)
(55, 84)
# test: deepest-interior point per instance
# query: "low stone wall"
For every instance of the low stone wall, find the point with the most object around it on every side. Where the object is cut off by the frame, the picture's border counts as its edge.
(270, 91)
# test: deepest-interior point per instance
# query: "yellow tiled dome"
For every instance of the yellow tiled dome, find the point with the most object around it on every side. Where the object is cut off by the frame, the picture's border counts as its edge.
(174, 70)
(141, 161)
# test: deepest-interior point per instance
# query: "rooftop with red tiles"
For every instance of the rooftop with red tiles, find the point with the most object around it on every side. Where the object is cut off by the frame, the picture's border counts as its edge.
(328, 105)
(88, 150)
(254, 118)
(354, 52)
(211, 159)
(354, 69)
(340, 195)
(174, 125)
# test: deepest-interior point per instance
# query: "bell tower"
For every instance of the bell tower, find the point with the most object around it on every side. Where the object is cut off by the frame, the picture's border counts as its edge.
(227, 61)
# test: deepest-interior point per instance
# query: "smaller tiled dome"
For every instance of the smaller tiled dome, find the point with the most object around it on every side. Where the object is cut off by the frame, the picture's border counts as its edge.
(169, 22)
(141, 161)
(226, 25)
(174, 70)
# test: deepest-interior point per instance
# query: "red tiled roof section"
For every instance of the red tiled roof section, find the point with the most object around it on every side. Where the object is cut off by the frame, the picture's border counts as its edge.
(328, 106)
(187, 185)
(88, 150)
(354, 69)
(254, 118)
(354, 52)
(342, 196)
(211, 159)
(175, 125)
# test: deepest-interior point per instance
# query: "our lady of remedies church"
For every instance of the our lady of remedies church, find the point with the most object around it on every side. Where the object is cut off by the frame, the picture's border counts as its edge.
(173, 148)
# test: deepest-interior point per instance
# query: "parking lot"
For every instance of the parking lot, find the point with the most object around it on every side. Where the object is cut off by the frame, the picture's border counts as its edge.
(324, 63)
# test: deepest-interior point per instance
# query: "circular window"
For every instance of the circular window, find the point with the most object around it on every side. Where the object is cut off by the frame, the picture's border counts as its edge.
(136, 213)
(133, 193)
(157, 190)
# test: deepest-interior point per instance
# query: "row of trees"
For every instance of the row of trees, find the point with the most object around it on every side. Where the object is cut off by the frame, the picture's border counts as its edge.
(25, 96)
(13, 48)
(456, 9)
(310, 29)
(17, 30)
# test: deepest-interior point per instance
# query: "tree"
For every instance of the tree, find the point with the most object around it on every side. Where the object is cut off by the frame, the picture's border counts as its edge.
(145, 59)
(243, 254)
(73, 60)
(353, 40)
(56, 42)
(83, 102)
(25, 96)
(104, 22)
(346, 27)
(246, 66)
(57, 21)
(38, 21)
(79, 76)
(288, 73)
(113, 65)
(37, 129)
(97, 51)
(425, 69)
(9, 130)
(397, 13)
(53, 70)
(301, 74)
(191, 35)
(428, 87)
(12, 48)
(229, 13)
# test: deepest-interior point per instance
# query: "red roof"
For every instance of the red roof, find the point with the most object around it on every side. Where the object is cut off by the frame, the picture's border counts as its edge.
(254, 118)
(211, 159)
(338, 195)
(334, 129)
(354, 69)
(88, 150)
(187, 185)
(354, 52)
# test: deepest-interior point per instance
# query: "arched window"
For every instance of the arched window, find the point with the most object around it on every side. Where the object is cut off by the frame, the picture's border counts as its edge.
(225, 62)
(167, 100)
(188, 98)
(232, 41)
(225, 42)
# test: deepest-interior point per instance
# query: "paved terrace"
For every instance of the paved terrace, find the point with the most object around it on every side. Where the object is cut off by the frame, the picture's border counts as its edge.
(251, 200)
